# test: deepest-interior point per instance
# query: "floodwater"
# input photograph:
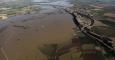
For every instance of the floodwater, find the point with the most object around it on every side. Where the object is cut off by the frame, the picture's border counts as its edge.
(21, 36)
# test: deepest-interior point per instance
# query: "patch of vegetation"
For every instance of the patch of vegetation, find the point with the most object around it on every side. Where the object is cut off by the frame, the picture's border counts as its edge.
(89, 52)
(99, 13)
(109, 23)
(49, 50)
(104, 30)
(84, 39)
(100, 56)
(87, 40)
(77, 32)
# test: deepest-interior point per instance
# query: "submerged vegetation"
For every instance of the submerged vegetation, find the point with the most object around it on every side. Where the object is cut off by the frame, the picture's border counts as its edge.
(49, 50)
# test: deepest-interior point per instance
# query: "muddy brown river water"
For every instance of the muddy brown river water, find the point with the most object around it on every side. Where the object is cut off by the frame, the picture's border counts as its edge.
(21, 36)
(25, 34)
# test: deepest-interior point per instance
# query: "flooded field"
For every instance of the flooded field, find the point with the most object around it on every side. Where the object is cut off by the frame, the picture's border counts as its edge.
(23, 35)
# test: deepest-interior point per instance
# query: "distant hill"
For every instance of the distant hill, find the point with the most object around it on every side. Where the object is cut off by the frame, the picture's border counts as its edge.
(93, 1)
(107, 0)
